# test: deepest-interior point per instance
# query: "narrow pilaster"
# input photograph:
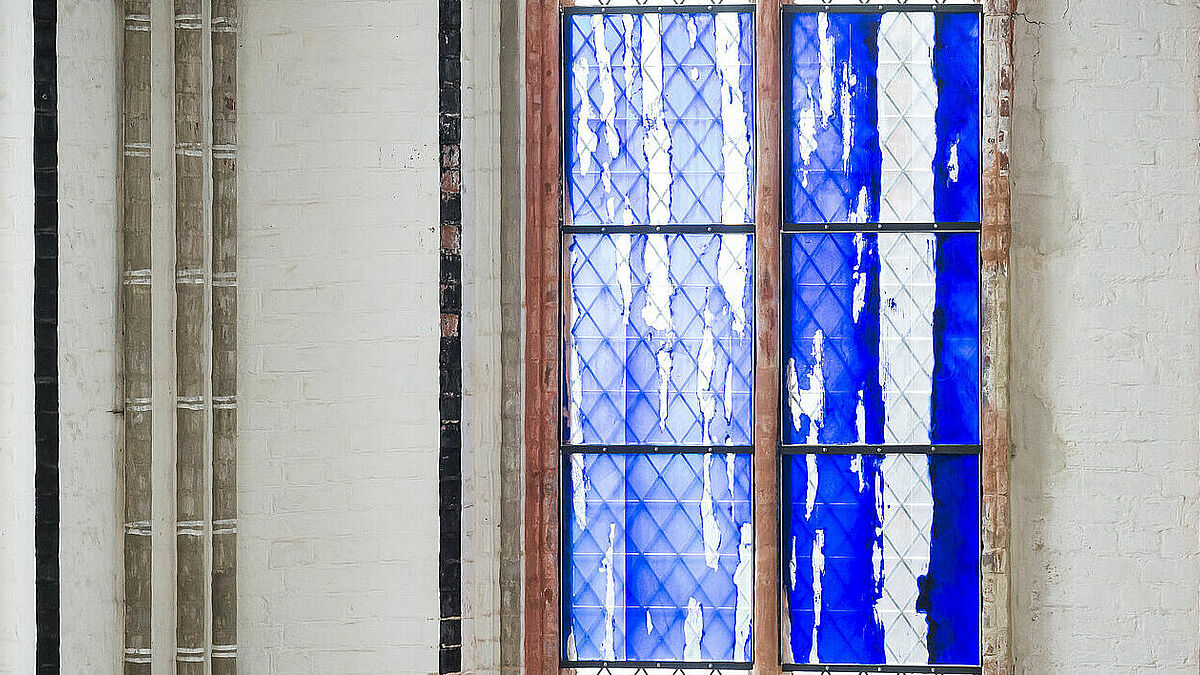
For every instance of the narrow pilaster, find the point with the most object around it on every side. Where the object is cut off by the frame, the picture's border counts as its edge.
(136, 324)
(190, 283)
(224, 337)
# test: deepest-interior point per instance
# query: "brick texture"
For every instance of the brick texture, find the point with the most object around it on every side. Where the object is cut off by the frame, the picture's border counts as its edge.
(339, 331)
(1106, 245)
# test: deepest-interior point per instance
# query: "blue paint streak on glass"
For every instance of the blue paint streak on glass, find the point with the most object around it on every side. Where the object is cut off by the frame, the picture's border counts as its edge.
(950, 593)
(823, 183)
(618, 352)
(612, 178)
(956, 72)
(955, 404)
(844, 512)
(648, 508)
(822, 275)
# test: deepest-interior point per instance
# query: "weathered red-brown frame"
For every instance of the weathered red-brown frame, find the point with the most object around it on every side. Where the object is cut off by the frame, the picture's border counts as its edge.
(542, 620)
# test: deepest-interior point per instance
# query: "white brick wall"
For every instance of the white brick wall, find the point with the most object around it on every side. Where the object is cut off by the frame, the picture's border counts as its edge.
(339, 337)
(89, 466)
(1106, 347)
(16, 339)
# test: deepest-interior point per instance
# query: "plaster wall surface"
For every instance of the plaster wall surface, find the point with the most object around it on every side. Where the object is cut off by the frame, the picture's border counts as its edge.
(338, 330)
(17, 630)
(1105, 343)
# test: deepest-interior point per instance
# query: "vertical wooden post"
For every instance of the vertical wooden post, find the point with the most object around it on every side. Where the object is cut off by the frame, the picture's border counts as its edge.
(136, 329)
(224, 337)
(997, 231)
(766, 338)
(190, 409)
(543, 201)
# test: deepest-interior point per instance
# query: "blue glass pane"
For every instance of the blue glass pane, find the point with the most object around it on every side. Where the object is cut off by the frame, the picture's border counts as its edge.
(881, 338)
(659, 558)
(659, 118)
(660, 349)
(881, 559)
(881, 117)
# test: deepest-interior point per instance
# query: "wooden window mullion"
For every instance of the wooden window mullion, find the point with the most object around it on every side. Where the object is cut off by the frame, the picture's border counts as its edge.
(767, 73)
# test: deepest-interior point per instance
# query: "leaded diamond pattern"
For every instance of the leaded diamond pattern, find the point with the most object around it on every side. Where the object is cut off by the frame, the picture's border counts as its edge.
(629, 74)
(907, 107)
(655, 354)
(655, 543)
(907, 297)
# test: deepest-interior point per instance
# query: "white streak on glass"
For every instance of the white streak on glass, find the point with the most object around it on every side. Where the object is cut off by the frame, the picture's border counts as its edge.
(627, 52)
(807, 143)
(572, 652)
(708, 518)
(860, 277)
(907, 525)
(608, 92)
(818, 569)
(607, 643)
(792, 566)
(735, 200)
(664, 381)
(907, 105)
(624, 245)
(728, 400)
(692, 31)
(693, 630)
(649, 623)
(657, 141)
(862, 207)
(786, 630)
(849, 79)
(952, 163)
(656, 258)
(809, 401)
(860, 418)
(856, 465)
(814, 484)
(706, 362)
(574, 420)
(579, 491)
(586, 140)
(906, 294)
(743, 580)
(729, 478)
(825, 77)
(733, 272)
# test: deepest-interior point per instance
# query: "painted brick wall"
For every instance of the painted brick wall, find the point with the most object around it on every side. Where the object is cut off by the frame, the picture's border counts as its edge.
(338, 532)
(1106, 349)
(17, 628)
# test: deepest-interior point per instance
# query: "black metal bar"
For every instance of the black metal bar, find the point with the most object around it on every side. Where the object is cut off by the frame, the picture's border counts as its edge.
(872, 670)
(800, 228)
(658, 9)
(938, 449)
(45, 335)
(617, 449)
(706, 666)
(880, 7)
(658, 229)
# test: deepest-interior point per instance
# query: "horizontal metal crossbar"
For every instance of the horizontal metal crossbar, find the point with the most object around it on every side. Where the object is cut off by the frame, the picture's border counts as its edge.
(706, 666)
(656, 9)
(796, 228)
(573, 449)
(657, 229)
(879, 7)
(873, 670)
(880, 449)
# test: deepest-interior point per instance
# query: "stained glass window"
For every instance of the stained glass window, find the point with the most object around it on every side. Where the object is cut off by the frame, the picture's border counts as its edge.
(658, 352)
(879, 337)
(880, 421)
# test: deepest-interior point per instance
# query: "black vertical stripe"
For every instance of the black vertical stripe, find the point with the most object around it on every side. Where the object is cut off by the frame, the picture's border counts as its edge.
(450, 351)
(45, 330)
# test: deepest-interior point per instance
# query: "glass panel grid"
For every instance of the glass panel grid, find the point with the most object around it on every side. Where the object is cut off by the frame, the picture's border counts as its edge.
(658, 319)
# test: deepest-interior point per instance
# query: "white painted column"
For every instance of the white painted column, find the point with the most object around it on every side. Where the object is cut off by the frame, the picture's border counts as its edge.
(17, 627)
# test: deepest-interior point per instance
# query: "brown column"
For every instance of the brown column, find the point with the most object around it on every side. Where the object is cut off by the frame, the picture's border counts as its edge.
(224, 337)
(190, 282)
(136, 332)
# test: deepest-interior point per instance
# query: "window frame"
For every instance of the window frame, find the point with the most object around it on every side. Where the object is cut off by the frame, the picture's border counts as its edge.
(543, 331)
